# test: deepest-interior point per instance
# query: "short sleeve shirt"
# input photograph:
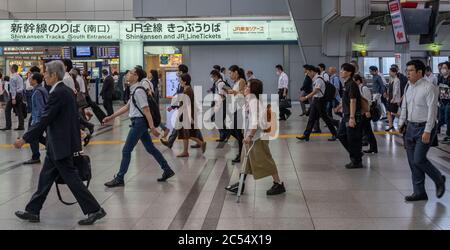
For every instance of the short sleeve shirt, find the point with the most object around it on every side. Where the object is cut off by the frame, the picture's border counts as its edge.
(351, 91)
(140, 96)
(319, 84)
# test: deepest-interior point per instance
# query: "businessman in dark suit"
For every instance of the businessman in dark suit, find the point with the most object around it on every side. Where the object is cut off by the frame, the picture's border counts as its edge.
(107, 92)
(60, 119)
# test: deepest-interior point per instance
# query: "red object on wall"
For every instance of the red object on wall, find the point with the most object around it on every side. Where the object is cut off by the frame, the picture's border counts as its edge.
(410, 5)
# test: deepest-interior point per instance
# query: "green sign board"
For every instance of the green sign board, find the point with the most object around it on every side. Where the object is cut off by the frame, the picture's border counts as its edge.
(145, 31)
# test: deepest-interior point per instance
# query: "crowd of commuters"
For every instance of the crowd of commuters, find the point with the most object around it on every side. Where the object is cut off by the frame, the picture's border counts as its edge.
(58, 99)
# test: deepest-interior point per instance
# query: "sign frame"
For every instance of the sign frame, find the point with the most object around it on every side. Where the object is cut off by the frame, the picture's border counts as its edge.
(400, 28)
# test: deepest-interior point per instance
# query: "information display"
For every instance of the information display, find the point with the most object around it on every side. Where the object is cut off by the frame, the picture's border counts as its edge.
(171, 84)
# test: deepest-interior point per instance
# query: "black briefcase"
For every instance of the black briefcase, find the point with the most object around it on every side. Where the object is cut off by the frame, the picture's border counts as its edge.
(83, 165)
(285, 103)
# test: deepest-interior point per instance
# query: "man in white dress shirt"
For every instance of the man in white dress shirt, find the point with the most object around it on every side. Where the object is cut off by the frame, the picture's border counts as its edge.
(418, 122)
(283, 87)
(68, 80)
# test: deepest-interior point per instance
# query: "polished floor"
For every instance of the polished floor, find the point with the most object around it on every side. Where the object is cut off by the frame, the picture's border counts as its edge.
(321, 193)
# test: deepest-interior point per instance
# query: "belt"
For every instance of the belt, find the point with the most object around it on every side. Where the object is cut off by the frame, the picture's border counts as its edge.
(417, 124)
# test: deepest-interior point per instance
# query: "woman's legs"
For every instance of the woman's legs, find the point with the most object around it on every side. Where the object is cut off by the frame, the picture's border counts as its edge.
(185, 152)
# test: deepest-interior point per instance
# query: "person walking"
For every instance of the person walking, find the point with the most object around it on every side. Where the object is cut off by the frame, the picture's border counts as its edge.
(60, 119)
(16, 95)
(418, 123)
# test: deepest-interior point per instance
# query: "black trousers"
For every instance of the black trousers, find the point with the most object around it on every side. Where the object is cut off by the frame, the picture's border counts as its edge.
(69, 173)
(317, 111)
(351, 139)
(283, 111)
(108, 105)
(17, 108)
(368, 131)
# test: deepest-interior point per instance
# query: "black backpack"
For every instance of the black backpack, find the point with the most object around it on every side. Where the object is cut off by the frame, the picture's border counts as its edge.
(153, 106)
(375, 113)
(330, 91)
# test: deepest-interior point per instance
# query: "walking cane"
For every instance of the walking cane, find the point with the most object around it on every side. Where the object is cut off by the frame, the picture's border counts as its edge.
(242, 172)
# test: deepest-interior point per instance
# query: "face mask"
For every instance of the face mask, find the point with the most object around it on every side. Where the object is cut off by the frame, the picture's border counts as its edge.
(444, 71)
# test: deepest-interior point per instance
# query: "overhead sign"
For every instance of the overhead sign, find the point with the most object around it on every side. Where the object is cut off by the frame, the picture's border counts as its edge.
(146, 31)
(398, 25)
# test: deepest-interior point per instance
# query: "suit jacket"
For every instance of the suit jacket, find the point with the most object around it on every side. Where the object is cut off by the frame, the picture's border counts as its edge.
(61, 120)
(108, 88)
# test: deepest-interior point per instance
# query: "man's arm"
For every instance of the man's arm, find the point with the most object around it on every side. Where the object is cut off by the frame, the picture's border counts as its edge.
(13, 87)
(432, 102)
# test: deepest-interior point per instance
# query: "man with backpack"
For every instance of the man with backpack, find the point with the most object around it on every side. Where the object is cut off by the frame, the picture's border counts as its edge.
(322, 94)
(141, 121)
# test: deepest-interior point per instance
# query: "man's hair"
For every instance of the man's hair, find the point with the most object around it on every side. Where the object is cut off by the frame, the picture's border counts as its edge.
(250, 72)
(394, 69)
(418, 65)
(35, 69)
(395, 66)
(15, 68)
(279, 67)
(140, 72)
(37, 76)
(373, 68)
(186, 78)
(349, 68)
(311, 68)
(183, 68)
(56, 67)
(322, 66)
(428, 69)
(217, 67)
(68, 63)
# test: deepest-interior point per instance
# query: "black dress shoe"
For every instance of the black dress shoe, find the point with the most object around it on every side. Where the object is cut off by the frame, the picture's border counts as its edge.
(19, 129)
(166, 143)
(416, 197)
(354, 166)
(196, 146)
(440, 189)
(237, 159)
(92, 218)
(27, 216)
(5, 129)
(166, 175)
(31, 162)
(370, 151)
(302, 138)
(333, 138)
(115, 183)
(87, 139)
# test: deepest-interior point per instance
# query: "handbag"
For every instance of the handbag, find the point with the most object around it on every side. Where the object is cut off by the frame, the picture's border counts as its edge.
(81, 100)
(285, 103)
(83, 165)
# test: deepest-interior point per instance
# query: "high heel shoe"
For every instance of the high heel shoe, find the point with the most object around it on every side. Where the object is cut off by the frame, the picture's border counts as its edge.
(390, 129)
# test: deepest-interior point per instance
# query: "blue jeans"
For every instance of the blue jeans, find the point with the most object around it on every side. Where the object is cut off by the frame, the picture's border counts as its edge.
(417, 158)
(444, 117)
(139, 131)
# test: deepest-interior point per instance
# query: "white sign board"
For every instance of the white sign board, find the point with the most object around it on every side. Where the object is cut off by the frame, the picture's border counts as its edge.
(398, 25)
(146, 31)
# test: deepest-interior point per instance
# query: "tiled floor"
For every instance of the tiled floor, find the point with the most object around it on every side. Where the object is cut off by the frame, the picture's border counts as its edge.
(321, 193)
